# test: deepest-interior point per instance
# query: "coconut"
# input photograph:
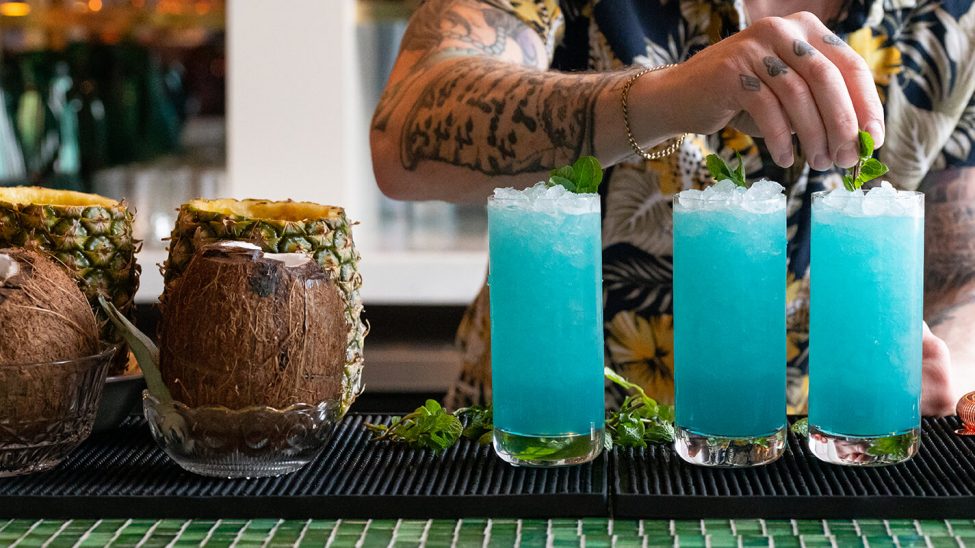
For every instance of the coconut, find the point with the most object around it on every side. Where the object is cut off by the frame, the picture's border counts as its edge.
(246, 328)
(44, 317)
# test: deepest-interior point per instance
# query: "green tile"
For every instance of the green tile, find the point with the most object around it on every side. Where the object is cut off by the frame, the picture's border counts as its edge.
(778, 527)
(810, 527)
(651, 526)
(881, 541)
(943, 542)
(786, 541)
(934, 527)
(690, 541)
(662, 540)
(754, 540)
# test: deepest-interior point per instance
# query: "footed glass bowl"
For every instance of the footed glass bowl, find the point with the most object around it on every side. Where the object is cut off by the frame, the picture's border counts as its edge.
(241, 443)
(47, 409)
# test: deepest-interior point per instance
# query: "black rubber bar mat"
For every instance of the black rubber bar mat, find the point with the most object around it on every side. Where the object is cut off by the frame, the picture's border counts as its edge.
(939, 483)
(123, 474)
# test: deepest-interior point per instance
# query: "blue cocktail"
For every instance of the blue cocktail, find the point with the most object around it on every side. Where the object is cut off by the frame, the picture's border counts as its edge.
(865, 325)
(546, 325)
(729, 324)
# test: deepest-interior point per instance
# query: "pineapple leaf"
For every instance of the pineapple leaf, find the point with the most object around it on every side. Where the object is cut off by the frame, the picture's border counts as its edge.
(145, 351)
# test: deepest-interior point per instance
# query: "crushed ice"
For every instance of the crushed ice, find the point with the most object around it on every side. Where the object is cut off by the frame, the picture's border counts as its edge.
(545, 199)
(763, 196)
(880, 200)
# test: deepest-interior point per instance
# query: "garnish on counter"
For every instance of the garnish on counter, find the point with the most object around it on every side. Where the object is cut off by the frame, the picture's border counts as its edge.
(582, 177)
(720, 170)
(640, 419)
(867, 167)
(801, 427)
(430, 426)
(638, 422)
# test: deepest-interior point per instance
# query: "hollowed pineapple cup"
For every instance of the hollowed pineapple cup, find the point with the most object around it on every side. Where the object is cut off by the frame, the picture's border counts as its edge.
(241, 443)
(47, 410)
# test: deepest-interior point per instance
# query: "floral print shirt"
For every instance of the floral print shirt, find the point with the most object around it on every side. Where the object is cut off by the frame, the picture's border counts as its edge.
(923, 61)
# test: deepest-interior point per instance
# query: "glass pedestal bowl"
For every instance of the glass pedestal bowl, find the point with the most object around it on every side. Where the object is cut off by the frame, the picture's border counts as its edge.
(47, 409)
(241, 443)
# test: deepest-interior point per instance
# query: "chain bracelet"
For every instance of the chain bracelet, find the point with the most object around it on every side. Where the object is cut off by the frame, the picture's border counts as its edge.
(654, 154)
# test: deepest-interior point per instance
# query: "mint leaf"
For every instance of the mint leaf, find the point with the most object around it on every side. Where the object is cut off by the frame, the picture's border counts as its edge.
(866, 144)
(559, 180)
(566, 172)
(893, 447)
(588, 174)
(640, 419)
(867, 168)
(720, 171)
(801, 427)
(428, 427)
(582, 177)
(871, 169)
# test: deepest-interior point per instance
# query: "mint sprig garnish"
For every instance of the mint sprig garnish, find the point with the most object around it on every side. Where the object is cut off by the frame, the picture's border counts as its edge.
(582, 177)
(640, 419)
(430, 426)
(720, 170)
(867, 167)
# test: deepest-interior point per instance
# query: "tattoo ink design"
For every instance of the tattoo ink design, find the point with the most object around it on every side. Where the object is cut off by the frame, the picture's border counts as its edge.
(833, 40)
(476, 112)
(775, 66)
(750, 83)
(802, 48)
(949, 236)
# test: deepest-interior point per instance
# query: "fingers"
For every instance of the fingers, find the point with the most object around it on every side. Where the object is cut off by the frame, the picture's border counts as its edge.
(791, 89)
(767, 113)
(936, 394)
(823, 86)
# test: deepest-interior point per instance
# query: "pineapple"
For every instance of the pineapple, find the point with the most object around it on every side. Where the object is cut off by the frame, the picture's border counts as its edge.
(89, 234)
(279, 227)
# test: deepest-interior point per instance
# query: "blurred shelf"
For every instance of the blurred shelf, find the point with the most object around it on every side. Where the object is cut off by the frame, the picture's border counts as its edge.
(395, 278)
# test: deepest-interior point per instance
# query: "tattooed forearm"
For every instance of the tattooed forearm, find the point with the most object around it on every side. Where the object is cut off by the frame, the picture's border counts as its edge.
(500, 119)
(949, 239)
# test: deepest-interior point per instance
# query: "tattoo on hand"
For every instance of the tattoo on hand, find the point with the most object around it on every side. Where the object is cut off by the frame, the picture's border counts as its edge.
(801, 48)
(949, 235)
(750, 83)
(833, 40)
(775, 66)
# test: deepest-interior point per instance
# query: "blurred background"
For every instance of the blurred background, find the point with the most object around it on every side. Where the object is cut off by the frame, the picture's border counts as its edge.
(162, 101)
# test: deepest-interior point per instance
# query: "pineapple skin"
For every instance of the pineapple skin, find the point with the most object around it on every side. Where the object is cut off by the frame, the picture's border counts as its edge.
(326, 235)
(89, 234)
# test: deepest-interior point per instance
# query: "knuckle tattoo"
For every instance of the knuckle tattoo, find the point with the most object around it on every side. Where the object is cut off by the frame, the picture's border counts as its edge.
(775, 66)
(750, 83)
(802, 48)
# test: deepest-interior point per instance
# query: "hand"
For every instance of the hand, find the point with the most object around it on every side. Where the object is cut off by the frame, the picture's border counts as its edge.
(936, 394)
(783, 75)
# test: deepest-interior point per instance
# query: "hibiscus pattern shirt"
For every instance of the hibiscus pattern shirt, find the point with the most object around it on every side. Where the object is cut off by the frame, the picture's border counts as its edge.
(923, 61)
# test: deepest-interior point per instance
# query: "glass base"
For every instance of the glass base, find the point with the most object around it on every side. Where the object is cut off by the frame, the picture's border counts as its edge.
(544, 451)
(246, 470)
(863, 451)
(725, 452)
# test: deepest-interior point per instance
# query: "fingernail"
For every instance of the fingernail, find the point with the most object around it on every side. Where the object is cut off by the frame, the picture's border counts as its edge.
(821, 162)
(785, 160)
(847, 155)
(876, 130)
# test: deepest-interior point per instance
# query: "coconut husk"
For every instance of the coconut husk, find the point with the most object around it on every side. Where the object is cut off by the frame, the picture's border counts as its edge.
(44, 317)
(244, 328)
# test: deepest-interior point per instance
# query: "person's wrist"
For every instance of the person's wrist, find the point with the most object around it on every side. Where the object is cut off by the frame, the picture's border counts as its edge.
(654, 108)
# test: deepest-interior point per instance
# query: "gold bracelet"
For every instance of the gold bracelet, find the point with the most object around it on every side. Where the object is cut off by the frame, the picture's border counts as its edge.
(647, 155)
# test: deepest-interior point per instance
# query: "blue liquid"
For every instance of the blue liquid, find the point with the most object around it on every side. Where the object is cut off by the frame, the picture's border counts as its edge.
(865, 323)
(546, 321)
(729, 321)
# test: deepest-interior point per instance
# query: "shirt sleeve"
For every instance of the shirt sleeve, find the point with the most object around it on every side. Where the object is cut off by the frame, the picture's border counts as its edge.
(542, 16)
(959, 150)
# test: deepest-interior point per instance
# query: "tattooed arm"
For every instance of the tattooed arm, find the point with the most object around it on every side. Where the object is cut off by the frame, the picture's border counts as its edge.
(470, 105)
(949, 277)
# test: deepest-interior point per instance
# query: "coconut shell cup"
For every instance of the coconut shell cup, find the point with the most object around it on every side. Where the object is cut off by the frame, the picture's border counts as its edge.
(47, 410)
(252, 353)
